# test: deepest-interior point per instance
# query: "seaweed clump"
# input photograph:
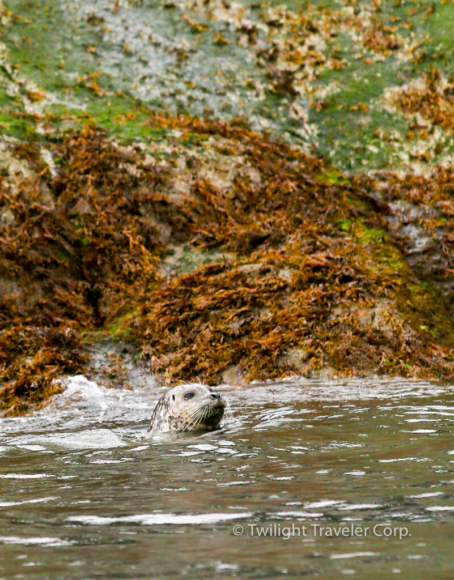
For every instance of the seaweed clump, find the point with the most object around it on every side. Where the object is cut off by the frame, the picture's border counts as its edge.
(433, 100)
(312, 279)
(381, 38)
(73, 248)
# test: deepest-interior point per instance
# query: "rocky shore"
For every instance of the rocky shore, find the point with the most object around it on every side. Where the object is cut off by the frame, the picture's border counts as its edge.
(206, 245)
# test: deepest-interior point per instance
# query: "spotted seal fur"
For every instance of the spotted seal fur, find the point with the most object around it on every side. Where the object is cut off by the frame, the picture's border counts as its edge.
(191, 407)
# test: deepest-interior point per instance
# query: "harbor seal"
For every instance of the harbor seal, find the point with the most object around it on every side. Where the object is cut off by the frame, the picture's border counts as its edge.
(190, 407)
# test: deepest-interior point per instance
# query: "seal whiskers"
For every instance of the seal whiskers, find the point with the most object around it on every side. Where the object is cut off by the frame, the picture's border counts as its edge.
(192, 422)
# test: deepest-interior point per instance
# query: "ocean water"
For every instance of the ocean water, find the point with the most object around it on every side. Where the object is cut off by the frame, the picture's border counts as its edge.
(304, 478)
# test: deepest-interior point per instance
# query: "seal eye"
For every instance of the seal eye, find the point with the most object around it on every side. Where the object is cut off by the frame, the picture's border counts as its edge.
(188, 396)
(173, 397)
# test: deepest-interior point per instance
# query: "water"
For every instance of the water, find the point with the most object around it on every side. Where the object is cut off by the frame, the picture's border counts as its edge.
(83, 493)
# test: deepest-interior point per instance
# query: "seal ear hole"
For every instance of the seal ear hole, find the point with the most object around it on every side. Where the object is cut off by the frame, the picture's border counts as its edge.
(188, 396)
(173, 397)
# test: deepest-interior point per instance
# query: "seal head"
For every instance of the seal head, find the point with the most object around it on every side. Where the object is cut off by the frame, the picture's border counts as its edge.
(190, 407)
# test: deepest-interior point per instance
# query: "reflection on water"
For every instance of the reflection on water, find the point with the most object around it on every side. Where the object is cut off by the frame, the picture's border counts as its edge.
(304, 478)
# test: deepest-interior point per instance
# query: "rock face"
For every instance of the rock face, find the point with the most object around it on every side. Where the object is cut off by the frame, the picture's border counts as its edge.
(291, 273)
(215, 252)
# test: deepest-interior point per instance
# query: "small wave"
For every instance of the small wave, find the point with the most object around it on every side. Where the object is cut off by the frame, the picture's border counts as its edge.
(46, 542)
(159, 519)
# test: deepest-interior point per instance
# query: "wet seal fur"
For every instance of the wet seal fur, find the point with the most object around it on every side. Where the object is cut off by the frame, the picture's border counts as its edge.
(191, 407)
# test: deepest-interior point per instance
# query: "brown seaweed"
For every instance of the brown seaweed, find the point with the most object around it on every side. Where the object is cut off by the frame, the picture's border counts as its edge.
(313, 275)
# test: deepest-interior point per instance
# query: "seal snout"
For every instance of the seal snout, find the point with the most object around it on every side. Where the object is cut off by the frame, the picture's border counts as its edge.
(217, 403)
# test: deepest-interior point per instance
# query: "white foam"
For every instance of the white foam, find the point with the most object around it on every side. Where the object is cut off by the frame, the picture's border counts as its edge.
(361, 506)
(83, 404)
(428, 494)
(40, 500)
(298, 514)
(25, 476)
(353, 555)
(87, 439)
(323, 503)
(90, 439)
(417, 459)
(159, 519)
(48, 542)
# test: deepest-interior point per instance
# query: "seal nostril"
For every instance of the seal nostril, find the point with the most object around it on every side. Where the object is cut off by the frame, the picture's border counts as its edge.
(215, 396)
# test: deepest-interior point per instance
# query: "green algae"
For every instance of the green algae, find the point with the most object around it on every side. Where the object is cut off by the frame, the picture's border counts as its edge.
(366, 234)
(17, 126)
(350, 124)
(438, 49)
(78, 91)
